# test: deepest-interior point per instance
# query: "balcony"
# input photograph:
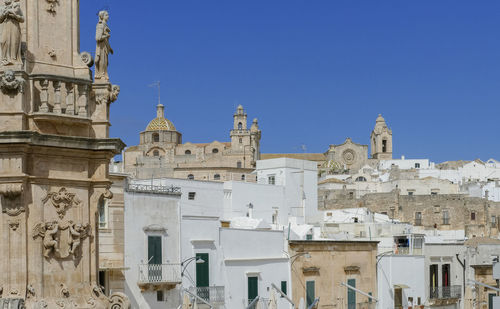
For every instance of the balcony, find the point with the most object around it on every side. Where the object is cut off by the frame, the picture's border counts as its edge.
(211, 294)
(159, 274)
(445, 292)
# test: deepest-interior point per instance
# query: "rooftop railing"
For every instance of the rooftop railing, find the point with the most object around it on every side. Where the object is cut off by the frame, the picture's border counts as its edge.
(211, 294)
(148, 188)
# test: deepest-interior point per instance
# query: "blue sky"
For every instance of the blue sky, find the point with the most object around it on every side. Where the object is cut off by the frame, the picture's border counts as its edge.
(313, 72)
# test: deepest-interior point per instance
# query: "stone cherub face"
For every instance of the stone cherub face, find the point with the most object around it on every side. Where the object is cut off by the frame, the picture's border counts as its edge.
(9, 76)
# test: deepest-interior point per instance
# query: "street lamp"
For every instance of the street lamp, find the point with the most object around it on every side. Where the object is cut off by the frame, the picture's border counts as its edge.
(186, 262)
(305, 254)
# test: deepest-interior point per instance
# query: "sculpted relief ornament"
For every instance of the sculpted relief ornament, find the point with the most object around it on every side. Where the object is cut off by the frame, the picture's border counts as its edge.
(62, 200)
(11, 199)
(10, 84)
(11, 16)
(61, 238)
(103, 49)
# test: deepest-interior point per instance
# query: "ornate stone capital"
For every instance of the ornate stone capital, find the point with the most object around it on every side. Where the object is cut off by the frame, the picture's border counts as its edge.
(11, 199)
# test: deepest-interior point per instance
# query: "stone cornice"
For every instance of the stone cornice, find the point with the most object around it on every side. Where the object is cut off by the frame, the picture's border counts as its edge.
(114, 145)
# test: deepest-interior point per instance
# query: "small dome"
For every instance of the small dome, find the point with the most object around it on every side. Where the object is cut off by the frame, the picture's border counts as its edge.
(160, 123)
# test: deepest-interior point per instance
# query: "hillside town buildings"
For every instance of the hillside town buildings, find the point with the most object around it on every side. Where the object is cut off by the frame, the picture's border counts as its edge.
(216, 225)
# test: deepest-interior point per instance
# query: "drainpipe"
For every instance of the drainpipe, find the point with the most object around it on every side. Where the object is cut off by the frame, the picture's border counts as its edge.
(463, 267)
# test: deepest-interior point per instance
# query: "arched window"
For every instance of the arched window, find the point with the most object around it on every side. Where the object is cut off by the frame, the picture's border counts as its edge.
(238, 164)
(242, 177)
(187, 152)
(190, 176)
(240, 126)
(156, 137)
(156, 153)
(215, 150)
(360, 178)
(216, 177)
(103, 213)
(384, 145)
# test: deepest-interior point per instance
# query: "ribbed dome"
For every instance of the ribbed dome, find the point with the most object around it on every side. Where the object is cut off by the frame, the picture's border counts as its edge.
(160, 123)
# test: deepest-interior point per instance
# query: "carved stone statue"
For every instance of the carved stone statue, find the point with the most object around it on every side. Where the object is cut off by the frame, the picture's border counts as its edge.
(11, 16)
(103, 48)
(77, 231)
(48, 231)
(115, 91)
(11, 84)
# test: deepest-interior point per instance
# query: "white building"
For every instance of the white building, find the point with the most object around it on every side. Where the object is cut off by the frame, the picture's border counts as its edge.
(152, 246)
(299, 178)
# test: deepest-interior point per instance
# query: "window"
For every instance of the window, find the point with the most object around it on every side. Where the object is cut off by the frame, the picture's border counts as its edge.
(398, 298)
(253, 288)
(190, 176)
(384, 145)
(216, 177)
(309, 236)
(242, 177)
(274, 217)
(271, 180)
(351, 294)
(410, 192)
(103, 213)
(434, 193)
(238, 164)
(156, 153)
(446, 216)
(203, 272)
(417, 165)
(156, 137)
(191, 195)
(418, 218)
(360, 178)
(493, 221)
(384, 213)
(310, 291)
(283, 287)
(473, 215)
(241, 141)
(103, 281)
(188, 152)
(215, 150)
(240, 126)
(160, 296)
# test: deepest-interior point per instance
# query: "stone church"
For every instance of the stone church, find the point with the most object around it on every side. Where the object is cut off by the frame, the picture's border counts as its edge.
(349, 156)
(161, 153)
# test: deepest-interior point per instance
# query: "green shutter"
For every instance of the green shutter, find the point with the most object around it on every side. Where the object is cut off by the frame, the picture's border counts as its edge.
(310, 292)
(490, 300)
(154, 250)
(283, 287)
(253, 288)
(351, 294)
(202, 270)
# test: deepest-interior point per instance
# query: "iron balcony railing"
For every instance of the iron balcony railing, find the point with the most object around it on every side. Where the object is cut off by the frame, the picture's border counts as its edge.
(211, 294)
(445, 292)
(159, 273)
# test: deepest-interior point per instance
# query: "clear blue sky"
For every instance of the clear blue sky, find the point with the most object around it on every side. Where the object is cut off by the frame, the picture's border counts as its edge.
(312, 72)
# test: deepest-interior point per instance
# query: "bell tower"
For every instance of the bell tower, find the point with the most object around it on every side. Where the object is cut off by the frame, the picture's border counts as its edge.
(381, 140)
(54, 155)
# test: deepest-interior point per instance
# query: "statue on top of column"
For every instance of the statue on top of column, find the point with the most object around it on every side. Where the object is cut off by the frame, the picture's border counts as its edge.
(11, 16)
(103, 48)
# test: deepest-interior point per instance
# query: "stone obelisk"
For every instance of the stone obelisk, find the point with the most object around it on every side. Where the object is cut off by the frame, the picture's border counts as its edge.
(54, 154)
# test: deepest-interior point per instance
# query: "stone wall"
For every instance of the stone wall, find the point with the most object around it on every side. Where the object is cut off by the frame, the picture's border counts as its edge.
(472, 214)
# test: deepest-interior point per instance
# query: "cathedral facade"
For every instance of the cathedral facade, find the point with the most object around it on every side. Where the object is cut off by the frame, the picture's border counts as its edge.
(161, 153)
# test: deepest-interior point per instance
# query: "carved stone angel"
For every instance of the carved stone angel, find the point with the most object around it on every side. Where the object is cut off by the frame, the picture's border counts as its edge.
(48, 231)
(9, 83)
(102, 48)
(78, 232)
(11, 16)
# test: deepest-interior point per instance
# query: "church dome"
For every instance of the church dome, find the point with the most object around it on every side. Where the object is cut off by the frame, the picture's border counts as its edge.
(160, 123)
